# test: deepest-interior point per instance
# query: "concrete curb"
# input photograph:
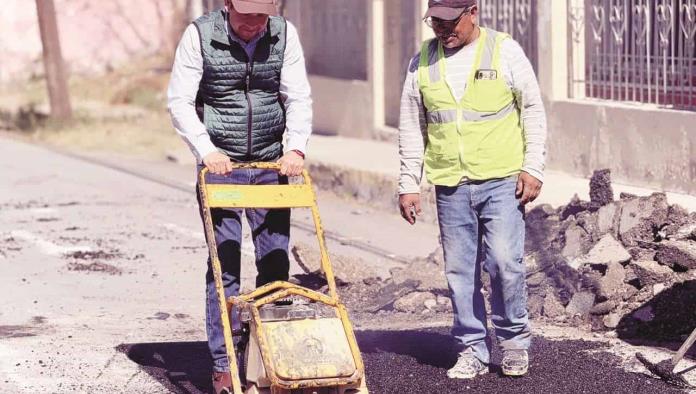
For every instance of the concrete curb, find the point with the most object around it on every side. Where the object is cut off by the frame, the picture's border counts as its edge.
(370, 188)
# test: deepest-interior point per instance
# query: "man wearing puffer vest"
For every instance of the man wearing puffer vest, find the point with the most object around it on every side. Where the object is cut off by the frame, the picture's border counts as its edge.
(472, 116)
(238, 86)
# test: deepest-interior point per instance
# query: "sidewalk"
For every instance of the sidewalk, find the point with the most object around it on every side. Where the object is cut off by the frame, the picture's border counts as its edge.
(369, 170)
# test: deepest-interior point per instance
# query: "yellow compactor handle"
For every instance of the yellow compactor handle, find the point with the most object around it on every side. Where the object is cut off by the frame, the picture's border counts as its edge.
(255, 196)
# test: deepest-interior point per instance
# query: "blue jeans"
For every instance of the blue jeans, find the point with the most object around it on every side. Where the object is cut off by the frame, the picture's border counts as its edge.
(484, 222)
(270, 231)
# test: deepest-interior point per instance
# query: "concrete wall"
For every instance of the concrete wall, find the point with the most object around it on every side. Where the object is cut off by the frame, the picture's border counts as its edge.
(382, 35)
(641, 145)
(335, 38)
(342, 107)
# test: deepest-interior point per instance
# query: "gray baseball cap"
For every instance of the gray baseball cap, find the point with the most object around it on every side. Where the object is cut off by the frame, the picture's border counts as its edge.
(448, 9)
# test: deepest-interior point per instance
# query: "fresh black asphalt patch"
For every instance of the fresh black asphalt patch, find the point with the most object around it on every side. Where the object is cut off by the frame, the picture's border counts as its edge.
(416, 362)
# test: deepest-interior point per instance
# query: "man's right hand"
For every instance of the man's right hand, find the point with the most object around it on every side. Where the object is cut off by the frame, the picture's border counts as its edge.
(218, 163)
(410, 206)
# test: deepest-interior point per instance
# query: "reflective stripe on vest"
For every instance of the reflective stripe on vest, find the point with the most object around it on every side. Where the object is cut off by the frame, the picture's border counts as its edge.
(478, 137)
(450, 115)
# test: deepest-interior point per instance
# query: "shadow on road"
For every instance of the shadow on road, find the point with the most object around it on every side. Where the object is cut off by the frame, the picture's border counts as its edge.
(182, 367)
(664, 321)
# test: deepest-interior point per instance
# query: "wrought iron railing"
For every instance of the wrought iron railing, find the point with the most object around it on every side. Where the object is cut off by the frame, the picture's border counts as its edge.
(515, 17)
(636, 50)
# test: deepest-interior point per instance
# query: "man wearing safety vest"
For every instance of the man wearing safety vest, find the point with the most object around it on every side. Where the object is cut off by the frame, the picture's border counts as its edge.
(472, 115)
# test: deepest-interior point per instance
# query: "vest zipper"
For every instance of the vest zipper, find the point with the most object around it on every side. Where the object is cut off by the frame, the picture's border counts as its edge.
(250, 115)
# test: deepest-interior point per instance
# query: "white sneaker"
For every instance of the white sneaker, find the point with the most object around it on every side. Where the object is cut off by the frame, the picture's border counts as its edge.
(515, 362)
(467, 367)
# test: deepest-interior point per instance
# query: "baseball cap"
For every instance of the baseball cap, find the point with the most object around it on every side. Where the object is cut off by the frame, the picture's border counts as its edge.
(448, 9)
(268, 7)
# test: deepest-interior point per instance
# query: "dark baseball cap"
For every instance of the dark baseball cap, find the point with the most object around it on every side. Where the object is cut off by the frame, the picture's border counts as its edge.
(448, 9)
(268, 7)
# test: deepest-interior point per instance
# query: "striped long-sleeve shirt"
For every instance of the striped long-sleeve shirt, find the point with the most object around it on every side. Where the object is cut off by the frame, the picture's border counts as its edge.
(519, 76)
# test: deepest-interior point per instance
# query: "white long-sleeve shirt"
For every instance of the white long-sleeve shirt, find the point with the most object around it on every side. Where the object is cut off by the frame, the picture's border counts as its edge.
(188, 71)
(519, 76)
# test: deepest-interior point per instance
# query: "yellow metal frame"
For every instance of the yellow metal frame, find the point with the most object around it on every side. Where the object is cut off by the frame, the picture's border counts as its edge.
(271, 196)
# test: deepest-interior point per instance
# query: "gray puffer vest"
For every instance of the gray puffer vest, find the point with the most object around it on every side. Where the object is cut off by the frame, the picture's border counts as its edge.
(239, 97)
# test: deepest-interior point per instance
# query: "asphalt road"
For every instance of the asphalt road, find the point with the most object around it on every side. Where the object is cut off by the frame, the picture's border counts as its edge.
(102, 291)
(416, 362)
(94, 257)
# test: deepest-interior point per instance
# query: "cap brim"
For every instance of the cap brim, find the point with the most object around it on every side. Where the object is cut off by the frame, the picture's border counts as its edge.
(248, 7)
(445, 13)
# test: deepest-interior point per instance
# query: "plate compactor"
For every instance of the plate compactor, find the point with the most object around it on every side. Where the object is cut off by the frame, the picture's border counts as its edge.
(290, 340)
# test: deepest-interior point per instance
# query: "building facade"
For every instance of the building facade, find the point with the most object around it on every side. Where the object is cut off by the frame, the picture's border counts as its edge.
(618, 76)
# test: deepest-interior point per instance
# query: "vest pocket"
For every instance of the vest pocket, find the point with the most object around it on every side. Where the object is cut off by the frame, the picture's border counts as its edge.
(442, 151)
(488, 95)
(436, 96)
(501, 150)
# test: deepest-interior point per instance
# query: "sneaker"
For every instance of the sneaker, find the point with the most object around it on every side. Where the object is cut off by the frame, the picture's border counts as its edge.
(222, 383)
(467, 367)
(515, 362)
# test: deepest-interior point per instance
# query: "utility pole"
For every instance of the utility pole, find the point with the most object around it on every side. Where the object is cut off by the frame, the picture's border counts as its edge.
(56, 80)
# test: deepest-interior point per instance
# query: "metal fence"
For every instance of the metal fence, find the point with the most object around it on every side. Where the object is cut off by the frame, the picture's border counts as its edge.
(515, 17)
(637, 50)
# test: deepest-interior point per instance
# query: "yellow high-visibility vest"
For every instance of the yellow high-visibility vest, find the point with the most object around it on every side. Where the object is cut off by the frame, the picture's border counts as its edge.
(479, 137)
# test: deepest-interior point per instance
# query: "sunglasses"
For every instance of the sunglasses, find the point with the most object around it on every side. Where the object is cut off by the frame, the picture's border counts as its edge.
(445, 24)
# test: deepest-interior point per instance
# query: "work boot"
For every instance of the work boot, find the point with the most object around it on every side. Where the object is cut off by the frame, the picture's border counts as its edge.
(467, 367)
(222, 383)
(515, 362)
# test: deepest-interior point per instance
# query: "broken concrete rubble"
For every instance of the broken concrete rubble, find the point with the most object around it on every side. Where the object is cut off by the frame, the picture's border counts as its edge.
(589, 265)
(577, 241)
(428, 272)
(574, 207)
(603, 308)
(658, 288)
(605, 252)
(581, 303)
(415, 302)
(608, 219)
(611, 321)
(680, 255)
(650, 272)
(611, 285)
(552, 307)
(686, 232)
(345, 270)
(536, 280)
(641, 218)
(601, 192)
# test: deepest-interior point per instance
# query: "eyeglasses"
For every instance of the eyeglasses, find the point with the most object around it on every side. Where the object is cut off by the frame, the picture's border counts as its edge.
(444, 24)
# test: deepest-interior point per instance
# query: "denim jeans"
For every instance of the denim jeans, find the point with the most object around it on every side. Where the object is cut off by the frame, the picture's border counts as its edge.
(482, 224)
(270, 231)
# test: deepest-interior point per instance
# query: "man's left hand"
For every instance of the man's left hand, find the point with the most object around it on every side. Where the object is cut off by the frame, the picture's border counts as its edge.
(291, 164)
(528, 188)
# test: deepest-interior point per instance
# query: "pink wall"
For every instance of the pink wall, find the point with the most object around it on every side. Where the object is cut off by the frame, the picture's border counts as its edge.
(94, 34)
